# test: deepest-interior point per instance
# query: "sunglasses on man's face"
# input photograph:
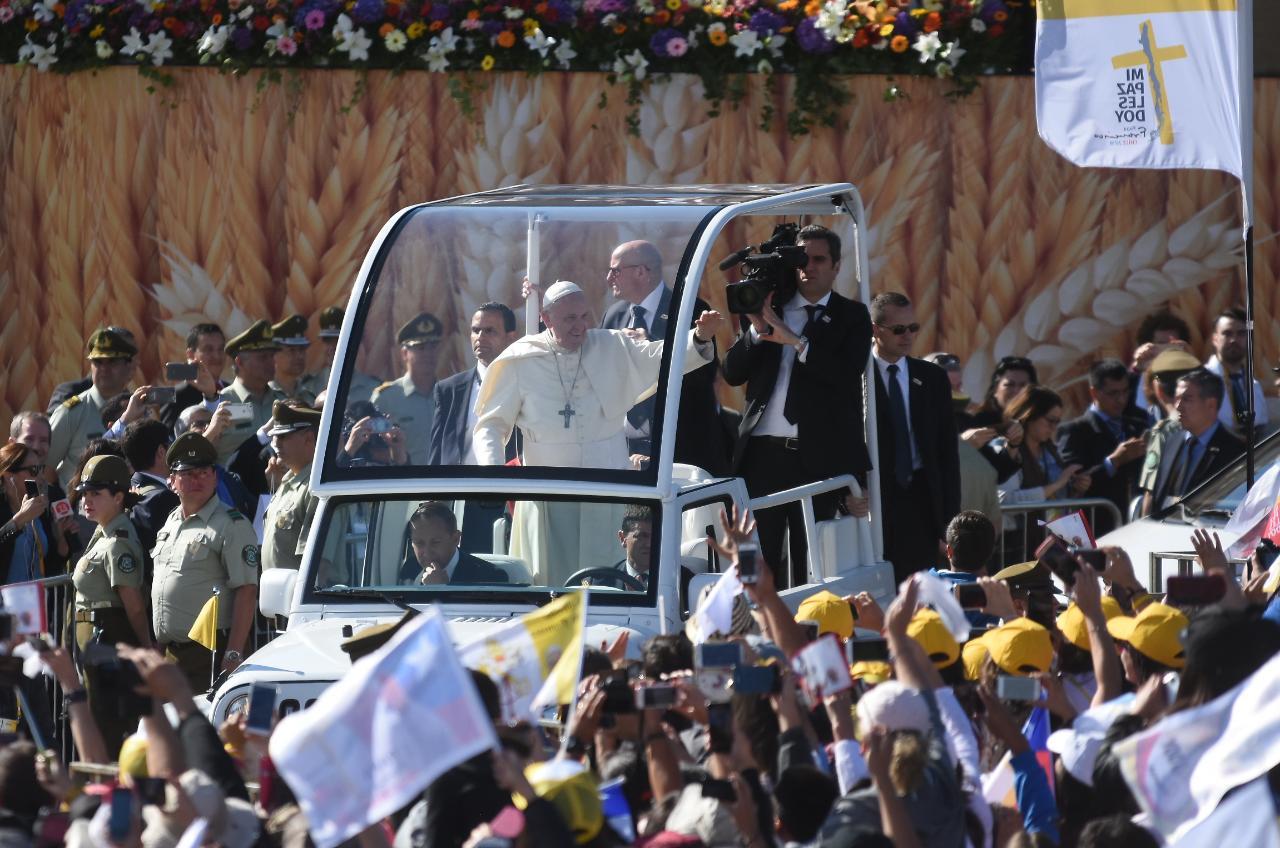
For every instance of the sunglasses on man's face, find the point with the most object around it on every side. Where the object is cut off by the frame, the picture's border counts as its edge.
(900, 329)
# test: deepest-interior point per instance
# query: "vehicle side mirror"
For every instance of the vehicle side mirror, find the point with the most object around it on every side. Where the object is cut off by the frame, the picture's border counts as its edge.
(275, 591)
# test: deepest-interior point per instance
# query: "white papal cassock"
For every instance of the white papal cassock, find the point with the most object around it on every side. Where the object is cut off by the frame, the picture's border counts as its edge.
(538, 386)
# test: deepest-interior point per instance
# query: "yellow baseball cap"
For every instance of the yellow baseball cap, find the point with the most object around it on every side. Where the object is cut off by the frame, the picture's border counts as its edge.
(975, 653)
(926, 627)
(871, 671)
(1020, 647)
(1156, 632)
(133, 756)
(1072, 623)
(572, 791)
(833, 613)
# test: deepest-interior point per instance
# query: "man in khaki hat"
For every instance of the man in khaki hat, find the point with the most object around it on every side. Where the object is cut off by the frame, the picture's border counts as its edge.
(362, 385)
(253, 357)
(1166, 369)
(408, 400)
(79, 418)
(293, 434)
(291, 358)
(204, 546)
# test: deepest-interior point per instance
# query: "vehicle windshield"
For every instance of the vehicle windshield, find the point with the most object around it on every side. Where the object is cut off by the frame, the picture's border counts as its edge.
(444, 299)
(481, 546)
(1224, 492)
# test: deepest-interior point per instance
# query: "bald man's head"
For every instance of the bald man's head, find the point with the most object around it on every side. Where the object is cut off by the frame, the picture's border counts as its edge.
(635, 270)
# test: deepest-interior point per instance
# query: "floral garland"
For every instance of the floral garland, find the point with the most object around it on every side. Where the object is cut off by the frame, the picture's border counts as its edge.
(631, 40)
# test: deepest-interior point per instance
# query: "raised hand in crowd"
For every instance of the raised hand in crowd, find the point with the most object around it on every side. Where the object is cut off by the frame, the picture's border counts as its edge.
(1213, 559)
(218, 423)
(999, 599)
(870, 616)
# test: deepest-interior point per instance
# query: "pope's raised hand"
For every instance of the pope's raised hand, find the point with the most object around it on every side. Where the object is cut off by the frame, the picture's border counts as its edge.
(707, 325)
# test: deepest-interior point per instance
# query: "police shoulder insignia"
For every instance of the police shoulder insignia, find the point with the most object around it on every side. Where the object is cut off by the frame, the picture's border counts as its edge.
(122, 534)
(251, 555)
(71, 402)
(385, 385)
(126, 563)
(236, 514)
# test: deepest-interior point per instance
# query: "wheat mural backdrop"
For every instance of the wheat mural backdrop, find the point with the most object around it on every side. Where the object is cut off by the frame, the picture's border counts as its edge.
(220, 200)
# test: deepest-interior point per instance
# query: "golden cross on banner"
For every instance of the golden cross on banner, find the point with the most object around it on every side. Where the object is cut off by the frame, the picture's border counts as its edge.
(1152, 57)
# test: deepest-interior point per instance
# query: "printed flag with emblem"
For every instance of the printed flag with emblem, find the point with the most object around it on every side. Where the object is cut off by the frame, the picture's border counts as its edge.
(1147, 83)
(25, 602)
(536, 659)
(205, 629)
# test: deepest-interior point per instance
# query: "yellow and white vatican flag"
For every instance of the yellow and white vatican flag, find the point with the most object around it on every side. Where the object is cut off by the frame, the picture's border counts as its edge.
(535, 660)
(1147, 83)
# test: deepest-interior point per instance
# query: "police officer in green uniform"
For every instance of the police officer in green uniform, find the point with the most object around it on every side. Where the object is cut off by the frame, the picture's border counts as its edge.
(253, 355)
(110, 606)
(291, 359)
(362, 385)
(205, 545)
(1165, 371)
(79, 418)
(293, 435)
(408, 400)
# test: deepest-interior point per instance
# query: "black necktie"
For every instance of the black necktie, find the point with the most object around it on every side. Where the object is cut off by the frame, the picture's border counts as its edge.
(902, 430)
(814, 311)
(790, 406)
(637, 319)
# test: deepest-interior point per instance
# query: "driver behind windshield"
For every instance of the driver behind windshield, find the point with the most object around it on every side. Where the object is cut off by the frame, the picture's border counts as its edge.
(434, 558)
(636, 539)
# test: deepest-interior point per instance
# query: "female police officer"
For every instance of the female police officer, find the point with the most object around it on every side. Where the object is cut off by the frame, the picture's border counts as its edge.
(110, 607)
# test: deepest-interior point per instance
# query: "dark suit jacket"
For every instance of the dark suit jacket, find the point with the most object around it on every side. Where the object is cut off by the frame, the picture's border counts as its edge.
(186, 395)
(453, 399)
(152, 509)
(828, 383)
(62, 391)
(933, 425)
(470, 569)
(1087, 441)
(696, 443)
(1223, 449)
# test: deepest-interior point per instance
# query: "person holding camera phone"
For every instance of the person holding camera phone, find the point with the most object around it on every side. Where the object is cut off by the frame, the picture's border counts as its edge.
(31, 544)
(250, 396)
(109, 605)
(802, 361)
(79, 418)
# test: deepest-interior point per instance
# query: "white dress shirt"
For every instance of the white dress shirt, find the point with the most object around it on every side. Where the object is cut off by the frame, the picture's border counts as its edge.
(650, 306)
(773, 422)
(470, 457)
(904, 383)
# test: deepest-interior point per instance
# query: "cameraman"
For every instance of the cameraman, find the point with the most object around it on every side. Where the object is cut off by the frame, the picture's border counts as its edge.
(803, 362)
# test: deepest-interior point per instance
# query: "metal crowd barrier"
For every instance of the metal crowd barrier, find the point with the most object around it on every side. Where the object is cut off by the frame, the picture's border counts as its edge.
(1022, 549)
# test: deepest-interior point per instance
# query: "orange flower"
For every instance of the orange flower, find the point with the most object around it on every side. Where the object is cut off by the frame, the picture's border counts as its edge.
(385, 29)
(436, 26)
(60, 10)
(812, 8)
(788, 5)
(932, 22)
(662, 16)
(540, 9)
(1001, 15)
(899, 44)
(506, 38)
(473, 15)
(32, 24)
(619, 29)
(217, 18)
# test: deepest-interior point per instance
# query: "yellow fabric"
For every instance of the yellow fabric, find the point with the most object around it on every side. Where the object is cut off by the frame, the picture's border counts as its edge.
(1020, 647)
(133, 756)
(833, 613)
(1072, 623)
(573, 792)
(926, 627)
(1156, 632)
(975, 654)
(1066, 9)
(871, 671)
(205, 629)
(557, 632)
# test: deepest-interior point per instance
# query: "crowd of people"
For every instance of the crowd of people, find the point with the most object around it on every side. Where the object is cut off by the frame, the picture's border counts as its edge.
(157, 499)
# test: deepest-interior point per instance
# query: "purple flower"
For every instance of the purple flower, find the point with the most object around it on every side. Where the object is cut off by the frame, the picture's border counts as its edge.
(314, 19)
(367, 11)
(492, 28)
(605, 7)
(658, 43)
(765, 22)
(559, 11)
(989, 10)
(905, 24)
(242, 38)
(439, 12)
(812, 39)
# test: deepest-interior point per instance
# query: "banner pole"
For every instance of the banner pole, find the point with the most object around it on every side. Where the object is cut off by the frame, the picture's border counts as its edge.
(1248, 356)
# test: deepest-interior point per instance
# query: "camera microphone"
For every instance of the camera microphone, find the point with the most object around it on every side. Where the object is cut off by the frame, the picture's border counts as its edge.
(734, 258)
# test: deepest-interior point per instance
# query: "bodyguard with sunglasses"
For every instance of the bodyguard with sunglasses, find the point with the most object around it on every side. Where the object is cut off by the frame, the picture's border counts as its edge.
(919, 455)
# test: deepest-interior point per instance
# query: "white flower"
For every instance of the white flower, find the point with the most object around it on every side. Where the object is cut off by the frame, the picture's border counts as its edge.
(395, 41)
(764, 67)
(39, 55)
(609, 20)
(646, 7)
(745, 43)
(513, 13)
(952, 53)
(102, 48)
(881, 44)
(927, 45)
(635, 64)
(539, 41)
(351, 39)
(133, 43)
(831, 17)
(715, 27)
(978, 25)
(564, 54)
(43, 11)
(942, 70)
(932, 5)
(278, 30)
(158, 48)
(214, 40)
(774, 43)
(437, 62)
(446, 41)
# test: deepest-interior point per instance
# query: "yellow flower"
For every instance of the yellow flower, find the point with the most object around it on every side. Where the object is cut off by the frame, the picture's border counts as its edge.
(673, 5)
(416, 29)
(715, 10)
(530, 26)
(97, 31)
(919, 13)
(886, 30)
(486, 64)
(32, 25)
(899, 44)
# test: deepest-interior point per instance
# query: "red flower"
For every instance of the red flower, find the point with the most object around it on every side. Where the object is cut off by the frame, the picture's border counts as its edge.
(261, 22)
(995, 30)
(172, 24)
(861, 38)
(217, 18)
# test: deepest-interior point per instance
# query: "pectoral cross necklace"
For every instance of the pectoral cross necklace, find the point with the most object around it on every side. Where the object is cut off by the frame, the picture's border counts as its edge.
(568, 412)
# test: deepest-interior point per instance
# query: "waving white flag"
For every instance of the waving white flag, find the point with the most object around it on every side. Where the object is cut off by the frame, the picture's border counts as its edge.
(1146, 83)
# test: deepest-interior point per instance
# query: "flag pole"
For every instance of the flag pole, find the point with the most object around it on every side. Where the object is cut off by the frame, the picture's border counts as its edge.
(1244, 48)
(1249, 411)
(213, 652)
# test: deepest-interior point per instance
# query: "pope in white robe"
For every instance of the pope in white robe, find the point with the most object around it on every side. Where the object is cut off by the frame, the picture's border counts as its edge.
(569, 389)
